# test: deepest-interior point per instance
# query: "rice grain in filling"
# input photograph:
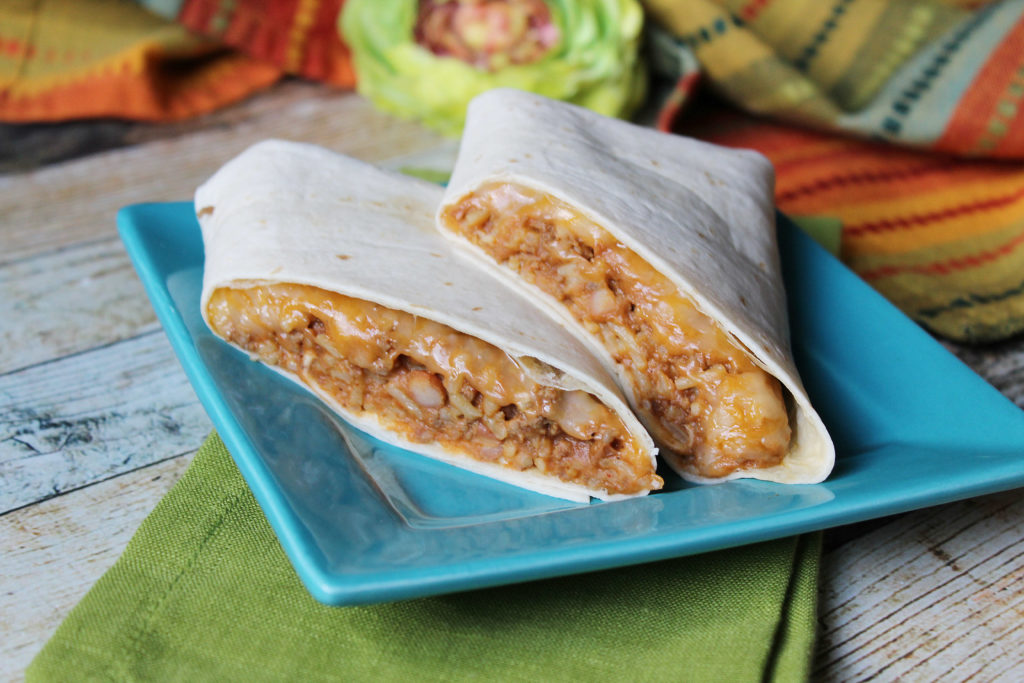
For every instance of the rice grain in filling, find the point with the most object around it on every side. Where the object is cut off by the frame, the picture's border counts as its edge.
(433, 384)
(701, 395)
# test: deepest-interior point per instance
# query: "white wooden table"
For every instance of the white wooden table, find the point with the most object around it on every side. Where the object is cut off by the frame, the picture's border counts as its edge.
(97, 420)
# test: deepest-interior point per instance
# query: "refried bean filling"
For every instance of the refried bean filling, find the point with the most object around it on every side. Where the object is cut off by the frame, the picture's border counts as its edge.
(701, 395)
(433, 384)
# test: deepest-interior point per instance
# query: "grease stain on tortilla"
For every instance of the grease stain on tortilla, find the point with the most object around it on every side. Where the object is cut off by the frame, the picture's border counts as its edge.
(205, 211)
(654, 162)
(342, 257)
(714, 180)
(447, 284)
(478, 308)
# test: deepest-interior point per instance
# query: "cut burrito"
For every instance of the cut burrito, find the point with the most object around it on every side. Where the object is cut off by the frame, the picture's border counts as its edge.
(660, 252)
(331, 271)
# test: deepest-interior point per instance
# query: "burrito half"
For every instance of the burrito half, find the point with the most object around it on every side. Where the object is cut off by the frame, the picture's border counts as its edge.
(660, 252)
(331, 271)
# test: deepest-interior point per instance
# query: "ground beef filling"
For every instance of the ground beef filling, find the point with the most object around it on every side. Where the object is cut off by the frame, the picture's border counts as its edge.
(700, 394)
(433, 384)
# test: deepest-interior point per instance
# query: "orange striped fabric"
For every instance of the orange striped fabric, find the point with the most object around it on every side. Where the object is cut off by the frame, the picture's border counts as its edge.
(939, 236)
(62, 59)
(300, 36)
(65, 59)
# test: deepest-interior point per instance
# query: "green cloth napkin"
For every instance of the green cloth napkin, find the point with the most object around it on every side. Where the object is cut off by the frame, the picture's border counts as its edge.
(204, 592)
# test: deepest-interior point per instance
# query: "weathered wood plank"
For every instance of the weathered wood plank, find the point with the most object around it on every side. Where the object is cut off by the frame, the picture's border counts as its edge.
(87, 417)
(1001, 364)
(69, 300)
(938, 593)
(76, 201)
(54, 551)
(24, 147)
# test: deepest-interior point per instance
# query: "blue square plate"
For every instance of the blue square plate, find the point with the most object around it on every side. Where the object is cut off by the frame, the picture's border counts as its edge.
(365, 522)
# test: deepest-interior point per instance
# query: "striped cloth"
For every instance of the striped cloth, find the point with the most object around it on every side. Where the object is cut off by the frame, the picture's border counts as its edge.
(299, 36)
(935, 221)
(65, 59)
(940, 237)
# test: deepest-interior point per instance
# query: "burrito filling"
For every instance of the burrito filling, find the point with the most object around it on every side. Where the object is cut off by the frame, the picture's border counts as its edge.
(432, 384)
(698, 392)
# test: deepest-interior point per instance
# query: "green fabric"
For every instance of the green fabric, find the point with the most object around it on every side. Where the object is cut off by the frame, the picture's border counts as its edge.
(825, 230)
(204, 592)
(434, 175)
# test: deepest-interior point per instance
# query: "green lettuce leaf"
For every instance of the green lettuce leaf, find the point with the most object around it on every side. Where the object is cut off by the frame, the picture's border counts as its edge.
(593, 63)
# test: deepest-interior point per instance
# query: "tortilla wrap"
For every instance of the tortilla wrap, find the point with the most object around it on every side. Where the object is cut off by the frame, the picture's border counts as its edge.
(292, 217)
(698, 216)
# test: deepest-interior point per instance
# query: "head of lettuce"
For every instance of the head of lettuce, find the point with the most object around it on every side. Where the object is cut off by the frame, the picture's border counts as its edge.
(427, 59)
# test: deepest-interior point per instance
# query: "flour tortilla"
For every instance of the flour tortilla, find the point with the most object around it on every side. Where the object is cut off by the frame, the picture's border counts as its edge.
(702, 215)
(285, 212)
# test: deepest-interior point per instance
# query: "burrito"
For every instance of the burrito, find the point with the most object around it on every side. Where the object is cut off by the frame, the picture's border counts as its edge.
(660, 252)
(331, 271)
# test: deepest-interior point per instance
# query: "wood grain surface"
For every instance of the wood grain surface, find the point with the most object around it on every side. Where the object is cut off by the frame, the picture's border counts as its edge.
(92, 282)
(935, 593)
(55, 551)
(97, 419)
(84, 418)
